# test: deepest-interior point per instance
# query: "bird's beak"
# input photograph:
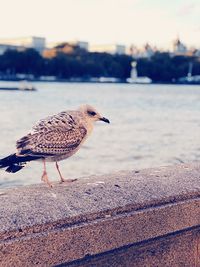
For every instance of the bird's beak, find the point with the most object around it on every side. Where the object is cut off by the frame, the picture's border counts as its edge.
(104, 119)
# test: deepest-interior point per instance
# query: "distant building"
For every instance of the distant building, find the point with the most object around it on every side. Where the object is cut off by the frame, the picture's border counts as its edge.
(38, 43)
(4, 47)
(179, 48)
(65, 47)
(81, 44)
(133, 51)
(197, 52)
(147, 51)
(110, 48)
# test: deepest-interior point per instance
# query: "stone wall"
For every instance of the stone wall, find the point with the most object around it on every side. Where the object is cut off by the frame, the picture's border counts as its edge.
(139, 218)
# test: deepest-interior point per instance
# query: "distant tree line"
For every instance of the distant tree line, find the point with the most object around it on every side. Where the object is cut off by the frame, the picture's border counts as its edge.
(161, 67)
(64, 66)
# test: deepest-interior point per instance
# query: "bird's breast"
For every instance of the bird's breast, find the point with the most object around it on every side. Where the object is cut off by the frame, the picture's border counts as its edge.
(60, 157)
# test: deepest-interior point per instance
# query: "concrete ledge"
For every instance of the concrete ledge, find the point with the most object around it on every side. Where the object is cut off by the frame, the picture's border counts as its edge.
(100, 218)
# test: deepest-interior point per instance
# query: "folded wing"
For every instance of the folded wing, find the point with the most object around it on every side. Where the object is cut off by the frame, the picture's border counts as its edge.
(54, 136)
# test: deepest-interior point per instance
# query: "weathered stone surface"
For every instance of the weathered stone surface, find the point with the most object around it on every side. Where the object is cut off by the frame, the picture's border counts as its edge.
(178, 250)
(45, 227)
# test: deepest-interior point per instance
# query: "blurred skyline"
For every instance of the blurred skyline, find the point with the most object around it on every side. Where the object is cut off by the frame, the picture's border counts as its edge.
(157, 22)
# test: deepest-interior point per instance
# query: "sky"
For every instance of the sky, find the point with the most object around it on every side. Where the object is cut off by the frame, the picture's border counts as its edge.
(157, 22)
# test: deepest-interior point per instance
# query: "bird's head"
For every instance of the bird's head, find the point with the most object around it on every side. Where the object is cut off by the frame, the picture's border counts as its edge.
(92, 114)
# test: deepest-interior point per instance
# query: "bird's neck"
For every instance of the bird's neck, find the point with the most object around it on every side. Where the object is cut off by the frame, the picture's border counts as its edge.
(90, 125)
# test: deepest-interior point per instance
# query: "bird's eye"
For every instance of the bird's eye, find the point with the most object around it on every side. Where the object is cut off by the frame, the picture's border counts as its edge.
(91, 113)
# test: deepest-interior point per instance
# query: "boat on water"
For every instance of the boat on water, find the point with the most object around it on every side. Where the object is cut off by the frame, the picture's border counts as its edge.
(134, 78)
(189, 79)
(23, 86)
(140, 80)
(195, 79)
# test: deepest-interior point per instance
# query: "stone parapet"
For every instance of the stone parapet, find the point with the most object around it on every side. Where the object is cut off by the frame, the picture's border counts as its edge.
(139, 218)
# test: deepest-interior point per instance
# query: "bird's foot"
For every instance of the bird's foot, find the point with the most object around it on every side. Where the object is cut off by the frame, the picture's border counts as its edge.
(45, 179)
(67, 180)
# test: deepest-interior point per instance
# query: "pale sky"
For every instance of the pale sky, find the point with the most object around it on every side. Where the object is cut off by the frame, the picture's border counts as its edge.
(103, 21)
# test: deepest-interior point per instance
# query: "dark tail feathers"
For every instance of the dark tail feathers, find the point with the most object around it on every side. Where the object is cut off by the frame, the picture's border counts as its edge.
(14, 163)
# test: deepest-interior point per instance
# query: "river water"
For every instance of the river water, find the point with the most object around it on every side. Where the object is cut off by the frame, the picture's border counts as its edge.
(151, 125)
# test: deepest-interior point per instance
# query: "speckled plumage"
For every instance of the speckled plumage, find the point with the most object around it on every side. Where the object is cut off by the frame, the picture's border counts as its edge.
(56, 137)
(53, 139)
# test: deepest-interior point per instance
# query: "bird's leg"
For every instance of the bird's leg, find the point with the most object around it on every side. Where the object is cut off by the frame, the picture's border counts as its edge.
(44, 175)
(62, 180)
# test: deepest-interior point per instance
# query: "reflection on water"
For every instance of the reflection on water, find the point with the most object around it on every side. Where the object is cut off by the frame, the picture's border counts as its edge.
(151, 125)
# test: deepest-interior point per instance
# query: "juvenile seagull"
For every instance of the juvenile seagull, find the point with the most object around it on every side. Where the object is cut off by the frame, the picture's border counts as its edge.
(53, 139)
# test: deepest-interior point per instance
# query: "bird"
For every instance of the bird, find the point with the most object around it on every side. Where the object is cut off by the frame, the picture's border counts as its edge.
(53, 139)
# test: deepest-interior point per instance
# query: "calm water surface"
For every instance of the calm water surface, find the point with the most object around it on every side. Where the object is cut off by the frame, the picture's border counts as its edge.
(151, 125)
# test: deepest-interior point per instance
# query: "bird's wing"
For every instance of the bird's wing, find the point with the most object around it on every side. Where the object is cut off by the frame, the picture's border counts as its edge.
(62, 120)
(51, 143)
(55, 135)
